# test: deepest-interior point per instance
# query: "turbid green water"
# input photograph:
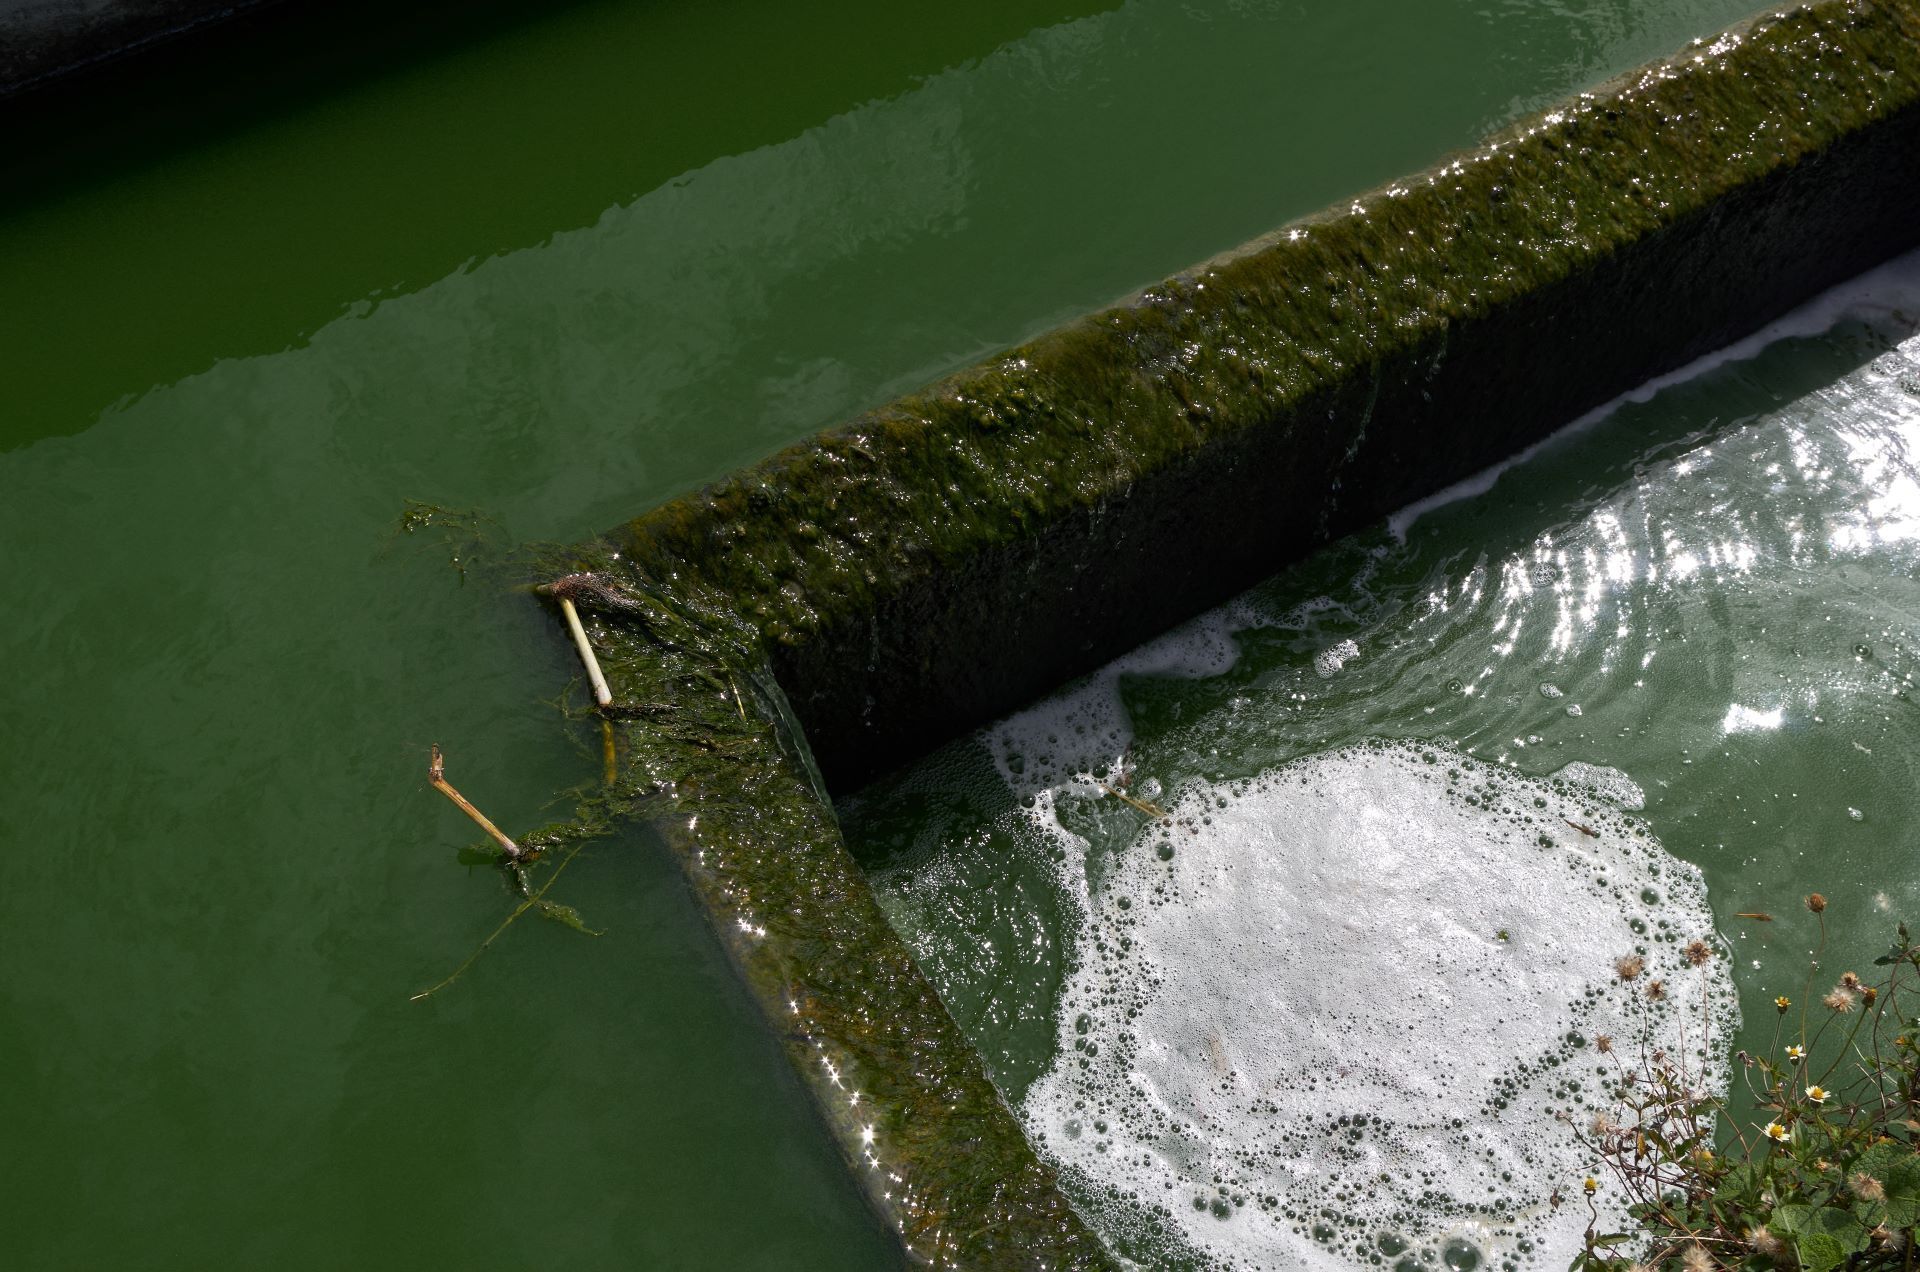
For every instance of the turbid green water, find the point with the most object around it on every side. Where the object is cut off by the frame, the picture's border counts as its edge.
(555, 274)
(1394, 773)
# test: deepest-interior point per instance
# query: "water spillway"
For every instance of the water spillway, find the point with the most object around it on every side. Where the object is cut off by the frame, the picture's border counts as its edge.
(958, 551)
(563, 275)
(812, 622)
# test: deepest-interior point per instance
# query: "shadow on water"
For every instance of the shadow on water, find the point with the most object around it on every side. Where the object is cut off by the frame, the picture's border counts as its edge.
(345, 153)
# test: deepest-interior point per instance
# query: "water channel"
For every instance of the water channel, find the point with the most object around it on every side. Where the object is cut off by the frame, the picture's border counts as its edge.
(1653, 682)
(564, 269)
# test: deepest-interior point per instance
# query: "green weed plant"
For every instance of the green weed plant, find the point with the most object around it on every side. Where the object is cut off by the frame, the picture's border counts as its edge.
(1821, 1174)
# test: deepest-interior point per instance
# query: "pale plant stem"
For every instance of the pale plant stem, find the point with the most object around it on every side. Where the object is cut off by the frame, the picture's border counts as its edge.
(601, 694)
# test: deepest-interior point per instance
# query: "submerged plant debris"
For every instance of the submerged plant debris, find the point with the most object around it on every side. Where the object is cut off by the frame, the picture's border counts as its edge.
(700, 747)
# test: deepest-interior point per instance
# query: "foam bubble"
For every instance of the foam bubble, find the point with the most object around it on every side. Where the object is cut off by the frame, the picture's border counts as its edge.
(1609, 784)
(1326, 1017)
(1334, 657)
(1062, 741)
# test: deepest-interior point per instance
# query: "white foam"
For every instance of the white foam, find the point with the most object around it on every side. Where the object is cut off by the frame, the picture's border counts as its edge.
(1609, 784)
(1084, 730)
(1876, 294)
(1342, 999)
(1334, 657)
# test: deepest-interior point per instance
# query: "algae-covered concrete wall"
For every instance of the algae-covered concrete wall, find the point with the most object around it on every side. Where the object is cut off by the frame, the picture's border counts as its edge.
(940, 560)
(701, 747)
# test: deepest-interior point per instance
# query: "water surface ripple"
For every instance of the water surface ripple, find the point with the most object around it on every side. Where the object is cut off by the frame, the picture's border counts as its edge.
(1696, 614)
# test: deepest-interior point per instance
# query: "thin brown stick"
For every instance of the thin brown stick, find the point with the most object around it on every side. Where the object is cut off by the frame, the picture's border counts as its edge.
(437, 774)
(1152, 810)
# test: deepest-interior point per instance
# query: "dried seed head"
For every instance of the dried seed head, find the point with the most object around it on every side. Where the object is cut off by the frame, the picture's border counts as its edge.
(1816, 902)
(1628, 966)
(1866, 1187)
(1698, 952)
(1839, 998)
(1656, 990)
(1894, 1239)
(1696, 1259)
(1850, 980)
(1764, 1243)
(1603, 1042)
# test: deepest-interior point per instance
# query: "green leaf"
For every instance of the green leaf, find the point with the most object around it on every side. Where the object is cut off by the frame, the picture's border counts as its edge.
(565, 915)
(1739, 1185)
(1819, 1252)
(1788, 1220)
(1842, 1225)
(1903, 1191)
(1897, 1167)
(1823, 1237)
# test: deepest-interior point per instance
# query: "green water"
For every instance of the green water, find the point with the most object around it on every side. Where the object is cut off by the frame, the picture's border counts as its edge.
(555, 273)
(1714, 590)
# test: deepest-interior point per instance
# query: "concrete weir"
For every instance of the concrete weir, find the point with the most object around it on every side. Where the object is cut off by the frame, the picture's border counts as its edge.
(864, 595)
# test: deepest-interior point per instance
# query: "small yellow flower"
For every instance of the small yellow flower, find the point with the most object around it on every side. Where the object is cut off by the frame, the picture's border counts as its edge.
(1591, 1184)
(1796, 1052)
(1775, 1131)
(1818, 1094)
(1783, 1002)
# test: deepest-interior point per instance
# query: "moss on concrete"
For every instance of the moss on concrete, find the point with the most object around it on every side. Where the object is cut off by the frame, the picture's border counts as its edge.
(707, 755)
(938, 561)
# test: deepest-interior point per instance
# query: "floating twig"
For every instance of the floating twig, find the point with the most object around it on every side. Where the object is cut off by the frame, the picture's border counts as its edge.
(1761, 915)
(437, 774)
(1150, 809)
(1588, 831)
